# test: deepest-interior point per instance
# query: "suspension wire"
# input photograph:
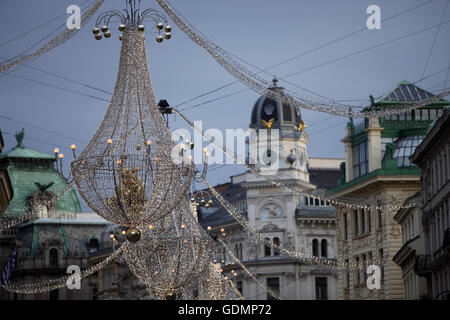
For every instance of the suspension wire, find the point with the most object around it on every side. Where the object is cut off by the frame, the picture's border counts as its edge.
(305, 52)
(37, 27)
(434, 40)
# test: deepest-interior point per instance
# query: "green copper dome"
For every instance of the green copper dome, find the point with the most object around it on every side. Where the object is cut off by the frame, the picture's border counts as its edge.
(31, 172)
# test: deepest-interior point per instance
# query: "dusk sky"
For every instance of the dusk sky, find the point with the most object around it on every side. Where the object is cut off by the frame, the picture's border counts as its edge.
(261, 32)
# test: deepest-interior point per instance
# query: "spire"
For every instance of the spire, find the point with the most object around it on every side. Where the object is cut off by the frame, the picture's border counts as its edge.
(19, 137)
(275, 82)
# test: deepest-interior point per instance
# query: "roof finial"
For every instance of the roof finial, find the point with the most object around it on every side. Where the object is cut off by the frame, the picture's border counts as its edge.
(19, 137)
(275, 81)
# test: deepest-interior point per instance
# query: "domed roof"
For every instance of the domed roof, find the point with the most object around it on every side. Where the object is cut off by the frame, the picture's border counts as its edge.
(276, 114)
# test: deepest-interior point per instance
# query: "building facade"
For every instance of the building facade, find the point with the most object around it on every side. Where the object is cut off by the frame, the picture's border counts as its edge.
(410, 220)
(433, 157)
(303, 224)
(59, 236)
(378, 171)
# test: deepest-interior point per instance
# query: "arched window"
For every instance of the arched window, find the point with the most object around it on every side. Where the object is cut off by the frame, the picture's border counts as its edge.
(276, 241)
(93, 245)
(287, 115)
(324, 248)
(53, 255)
(240, 251)
(315, 247)
(267, 249)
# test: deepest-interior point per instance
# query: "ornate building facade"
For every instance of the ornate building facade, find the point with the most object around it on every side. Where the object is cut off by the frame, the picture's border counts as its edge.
(378, 168)
(433, 157)
(410, 220)
(302, 224)
(60, 236)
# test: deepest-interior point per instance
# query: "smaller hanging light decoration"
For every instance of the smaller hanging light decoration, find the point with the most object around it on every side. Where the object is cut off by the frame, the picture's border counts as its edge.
(172, 255)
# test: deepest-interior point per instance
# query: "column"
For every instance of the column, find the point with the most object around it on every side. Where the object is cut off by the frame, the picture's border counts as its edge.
(374, 143)
(348, 154)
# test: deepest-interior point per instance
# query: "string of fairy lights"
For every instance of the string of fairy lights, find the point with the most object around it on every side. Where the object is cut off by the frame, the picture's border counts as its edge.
(56, 41)
(260, 85)
(330, 264)
(52, 284)
(283, 186)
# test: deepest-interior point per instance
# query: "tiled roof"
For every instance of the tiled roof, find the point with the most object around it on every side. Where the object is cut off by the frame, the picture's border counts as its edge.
(406, 92)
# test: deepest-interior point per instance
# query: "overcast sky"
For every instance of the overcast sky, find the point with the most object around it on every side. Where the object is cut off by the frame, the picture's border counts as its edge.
(261, 32)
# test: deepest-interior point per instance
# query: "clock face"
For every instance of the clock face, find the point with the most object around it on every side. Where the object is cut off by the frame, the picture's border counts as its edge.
(269, 109)
(270, 210)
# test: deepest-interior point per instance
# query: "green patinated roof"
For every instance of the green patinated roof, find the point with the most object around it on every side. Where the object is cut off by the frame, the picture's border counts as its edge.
(27, 167)
(22, 152)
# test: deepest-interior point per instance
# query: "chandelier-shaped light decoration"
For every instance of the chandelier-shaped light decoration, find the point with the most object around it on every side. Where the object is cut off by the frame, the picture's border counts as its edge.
(126, 173)
(172, 254)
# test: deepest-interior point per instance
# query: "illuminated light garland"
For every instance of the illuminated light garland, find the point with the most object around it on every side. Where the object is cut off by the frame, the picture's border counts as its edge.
(49, 285)
(323, 263)
(55, 42)
(248, 272)
(281, 185)
(260, 85)
(121, 176)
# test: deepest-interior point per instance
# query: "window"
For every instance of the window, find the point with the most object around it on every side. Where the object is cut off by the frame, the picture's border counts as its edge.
(404, 148)
(347, 276)
(355, 216)
(287, 115)
(360, 159)
(364, 267)
(239, 286)
(274, 285)
(106, 279)
(345, 225)
(240, 251)
(93, 245)
(380, 218)
(267, 249)
(324, 248)
(321, 288)
(358, 275)
(276, 241)
(369, 221)
(236, 251)
(363, 221)
(315, 248)
(381, 258)
(53, 255)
